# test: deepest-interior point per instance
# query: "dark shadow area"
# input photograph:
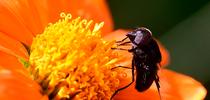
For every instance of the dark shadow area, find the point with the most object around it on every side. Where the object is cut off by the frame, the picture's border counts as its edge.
(159, 16)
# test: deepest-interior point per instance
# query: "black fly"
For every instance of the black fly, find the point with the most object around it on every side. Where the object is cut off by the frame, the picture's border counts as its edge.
(146, 57)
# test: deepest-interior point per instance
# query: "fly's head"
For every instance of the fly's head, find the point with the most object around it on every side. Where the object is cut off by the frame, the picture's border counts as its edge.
(139, 35)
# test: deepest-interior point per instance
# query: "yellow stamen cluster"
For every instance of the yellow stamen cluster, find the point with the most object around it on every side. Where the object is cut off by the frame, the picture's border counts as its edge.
(71, 60)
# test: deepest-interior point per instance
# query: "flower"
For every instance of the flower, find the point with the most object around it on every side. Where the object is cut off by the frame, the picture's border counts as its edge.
(70, 59)
(22, 20)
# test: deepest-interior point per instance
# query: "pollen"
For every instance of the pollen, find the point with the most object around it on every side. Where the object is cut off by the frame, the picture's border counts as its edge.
(71, 60)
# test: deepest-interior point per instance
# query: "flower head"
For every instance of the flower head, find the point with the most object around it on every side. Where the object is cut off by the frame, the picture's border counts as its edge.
(70, 59)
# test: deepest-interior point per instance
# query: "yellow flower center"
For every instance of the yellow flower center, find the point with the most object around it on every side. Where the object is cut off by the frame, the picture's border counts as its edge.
(71, 60)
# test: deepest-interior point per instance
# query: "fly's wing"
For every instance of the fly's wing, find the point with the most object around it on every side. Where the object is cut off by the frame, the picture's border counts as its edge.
(144, 78)
(152, 51)
(155, 51)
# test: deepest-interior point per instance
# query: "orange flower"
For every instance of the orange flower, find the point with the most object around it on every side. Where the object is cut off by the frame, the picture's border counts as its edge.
(22, 20)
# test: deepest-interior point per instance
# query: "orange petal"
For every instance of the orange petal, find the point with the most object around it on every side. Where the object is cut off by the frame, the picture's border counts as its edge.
(131, 93)
(15, 86)
(184, 87)
(12, 47)
(120, 34)
(174, 86)
(49, 11)
(11, 62)
(15, 20)
(21, 19)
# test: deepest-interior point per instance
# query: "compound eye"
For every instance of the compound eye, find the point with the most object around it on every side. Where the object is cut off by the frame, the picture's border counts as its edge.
(138, 32)
(139, 37)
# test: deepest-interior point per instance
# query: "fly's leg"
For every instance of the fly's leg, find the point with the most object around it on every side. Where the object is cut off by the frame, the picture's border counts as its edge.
(121, 67)
(120, 49)
(126, 85)
(122, 40)
(157, 85)
(124, 43)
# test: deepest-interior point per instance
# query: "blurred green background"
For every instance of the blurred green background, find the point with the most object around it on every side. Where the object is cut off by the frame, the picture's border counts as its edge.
(183, 26)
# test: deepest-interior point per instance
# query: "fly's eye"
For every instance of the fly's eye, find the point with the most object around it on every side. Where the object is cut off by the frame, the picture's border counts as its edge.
(138, 32)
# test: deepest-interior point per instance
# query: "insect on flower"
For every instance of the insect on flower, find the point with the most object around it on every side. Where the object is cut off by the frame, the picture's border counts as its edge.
(146, 58)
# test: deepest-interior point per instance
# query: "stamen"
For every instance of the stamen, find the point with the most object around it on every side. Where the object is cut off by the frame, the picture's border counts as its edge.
(70, 60)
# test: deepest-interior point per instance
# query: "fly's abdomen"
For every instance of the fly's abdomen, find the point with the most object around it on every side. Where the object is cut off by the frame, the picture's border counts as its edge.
(144, 78)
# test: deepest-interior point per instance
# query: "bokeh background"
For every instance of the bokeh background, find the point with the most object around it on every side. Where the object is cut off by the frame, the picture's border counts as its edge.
(183, 26)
